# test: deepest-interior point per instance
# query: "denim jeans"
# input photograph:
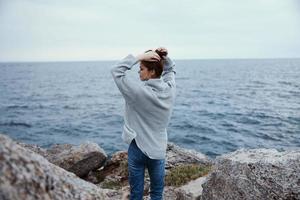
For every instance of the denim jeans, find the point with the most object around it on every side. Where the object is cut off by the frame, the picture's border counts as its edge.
(137, 162)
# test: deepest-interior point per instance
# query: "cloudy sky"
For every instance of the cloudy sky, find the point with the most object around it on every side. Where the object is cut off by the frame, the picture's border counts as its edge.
(54, 30)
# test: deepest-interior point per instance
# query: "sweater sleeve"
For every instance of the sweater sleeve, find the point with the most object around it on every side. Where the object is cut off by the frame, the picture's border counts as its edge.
(127, 87)
(169, 72)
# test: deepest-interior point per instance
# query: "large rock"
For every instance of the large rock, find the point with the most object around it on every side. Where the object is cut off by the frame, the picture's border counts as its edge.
(191, 191)
(27, 175)
(33, 147)
(177, 156)
(254, 175)
(77, 159)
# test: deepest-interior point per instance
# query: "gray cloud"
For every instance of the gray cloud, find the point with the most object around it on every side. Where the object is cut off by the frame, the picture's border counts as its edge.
(93, 29)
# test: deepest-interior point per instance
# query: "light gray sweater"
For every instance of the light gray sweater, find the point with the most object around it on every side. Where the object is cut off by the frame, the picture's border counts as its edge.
(148, 106)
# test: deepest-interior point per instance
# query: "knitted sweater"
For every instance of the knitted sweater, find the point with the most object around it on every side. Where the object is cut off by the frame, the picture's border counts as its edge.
(148, 106)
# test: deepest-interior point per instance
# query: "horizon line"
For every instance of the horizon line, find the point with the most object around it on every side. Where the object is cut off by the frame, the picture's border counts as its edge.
(179, 59)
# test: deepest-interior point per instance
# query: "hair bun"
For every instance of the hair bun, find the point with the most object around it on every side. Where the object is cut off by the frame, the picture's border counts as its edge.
(162, 54)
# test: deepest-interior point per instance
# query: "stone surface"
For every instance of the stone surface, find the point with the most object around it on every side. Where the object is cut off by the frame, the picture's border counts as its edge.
(192, 190)
(177, 156)
(254, 175)
(169, 194)
(117, 165)
(115, 168)
(77, 159)
(27, 175)
(33, 147)
(242, 175)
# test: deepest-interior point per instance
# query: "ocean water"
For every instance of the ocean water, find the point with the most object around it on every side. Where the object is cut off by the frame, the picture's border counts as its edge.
(221, 105)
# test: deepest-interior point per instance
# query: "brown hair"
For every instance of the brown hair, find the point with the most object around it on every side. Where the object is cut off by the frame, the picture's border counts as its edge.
(157, 66)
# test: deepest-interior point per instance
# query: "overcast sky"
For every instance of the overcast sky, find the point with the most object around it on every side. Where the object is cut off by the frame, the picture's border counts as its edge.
(53, 30)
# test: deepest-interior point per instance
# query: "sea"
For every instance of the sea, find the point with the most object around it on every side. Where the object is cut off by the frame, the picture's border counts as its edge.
(221, 105)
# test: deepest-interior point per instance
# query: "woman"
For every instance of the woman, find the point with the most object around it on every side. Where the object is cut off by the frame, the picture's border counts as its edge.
(148, 108)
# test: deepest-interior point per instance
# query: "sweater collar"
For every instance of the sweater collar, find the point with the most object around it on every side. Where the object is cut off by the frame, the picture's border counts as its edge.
(156, 83)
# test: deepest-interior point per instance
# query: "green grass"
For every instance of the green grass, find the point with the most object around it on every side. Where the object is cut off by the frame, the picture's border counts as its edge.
(183, 174)
(109, 184)
(114, 184)
(124, 168)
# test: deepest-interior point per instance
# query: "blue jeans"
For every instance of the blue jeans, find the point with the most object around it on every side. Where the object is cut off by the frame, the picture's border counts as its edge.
(137, 162)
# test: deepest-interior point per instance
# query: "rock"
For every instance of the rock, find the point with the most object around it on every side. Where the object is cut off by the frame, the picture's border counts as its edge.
(114, 174)
(27, 175)
(117, 165)
(77, 159)
(113, 194)
(33, 147)
(191, 191)
(169, 194)
(253, 175)
(93, 160)
(94, 176)
(116, 169)
(177, 156)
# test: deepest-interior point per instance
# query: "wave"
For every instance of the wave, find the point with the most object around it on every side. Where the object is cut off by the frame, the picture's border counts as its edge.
(197, 137)
(12, 123)
(247, 120)
(17, 107)
(285, 83)
(267, 137)
(67, 107)
(194, 127)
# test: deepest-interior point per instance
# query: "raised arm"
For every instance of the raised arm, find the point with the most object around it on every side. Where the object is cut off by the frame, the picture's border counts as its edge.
(127, 87)
(169, 72)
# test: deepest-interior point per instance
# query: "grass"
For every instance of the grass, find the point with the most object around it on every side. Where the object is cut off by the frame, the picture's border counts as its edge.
(110, 184)
(115, 184)
(183, 174)
(177, 176)
(124, 168)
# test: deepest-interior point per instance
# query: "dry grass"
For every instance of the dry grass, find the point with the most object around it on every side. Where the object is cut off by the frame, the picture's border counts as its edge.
(183, 174)
(111, 184)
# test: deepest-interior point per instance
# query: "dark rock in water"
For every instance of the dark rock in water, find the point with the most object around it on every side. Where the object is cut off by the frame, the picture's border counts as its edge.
(77, 159)
(27, 175)
(254, 175)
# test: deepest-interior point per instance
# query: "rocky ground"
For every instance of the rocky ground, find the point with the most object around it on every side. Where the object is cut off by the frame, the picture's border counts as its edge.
(67, 171)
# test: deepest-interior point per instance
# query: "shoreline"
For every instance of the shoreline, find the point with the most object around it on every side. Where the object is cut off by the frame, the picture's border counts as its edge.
(189, 174)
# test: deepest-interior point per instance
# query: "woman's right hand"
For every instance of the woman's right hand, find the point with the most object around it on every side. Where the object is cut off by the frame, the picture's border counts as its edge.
(150, 56)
